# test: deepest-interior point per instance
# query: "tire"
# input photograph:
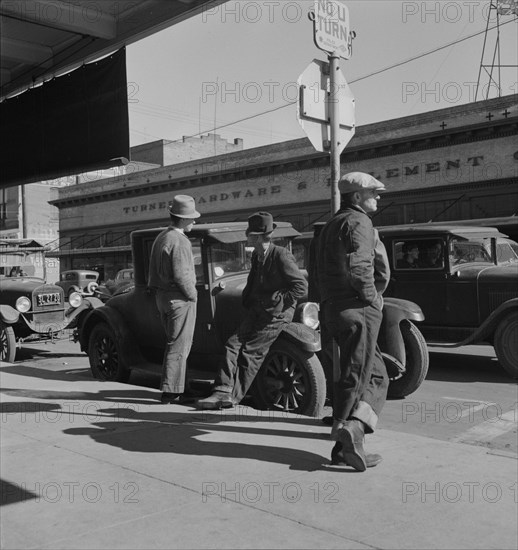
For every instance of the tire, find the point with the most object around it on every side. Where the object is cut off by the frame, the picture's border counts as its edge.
(290, 380)
(506, 343)
(7, 343)
(417, 361)
(104, 355)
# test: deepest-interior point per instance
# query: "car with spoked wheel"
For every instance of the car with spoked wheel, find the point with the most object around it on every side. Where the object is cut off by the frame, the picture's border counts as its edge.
(30, 309)
(465, 279)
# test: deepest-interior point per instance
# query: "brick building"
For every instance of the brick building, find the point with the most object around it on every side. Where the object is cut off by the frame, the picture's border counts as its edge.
(454, 163)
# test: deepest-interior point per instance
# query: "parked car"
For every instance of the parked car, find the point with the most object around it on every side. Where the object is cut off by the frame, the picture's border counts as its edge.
(123, 282)
(466, 281)
(31, 310)
(125, 333)
(78, 280)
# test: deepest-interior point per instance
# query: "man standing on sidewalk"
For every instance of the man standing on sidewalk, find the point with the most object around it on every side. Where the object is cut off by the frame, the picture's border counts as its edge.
(352, 272)
(172, 277)
(274, 285)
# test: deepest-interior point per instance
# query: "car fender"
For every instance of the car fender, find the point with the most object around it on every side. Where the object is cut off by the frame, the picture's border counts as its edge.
(486, 330)
(390, 339)
(129, 351)
(8, 314)
(75, 316)
(306, 338)
(397, 309)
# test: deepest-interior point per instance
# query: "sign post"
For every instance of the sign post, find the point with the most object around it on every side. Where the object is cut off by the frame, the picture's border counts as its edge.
(332, 34)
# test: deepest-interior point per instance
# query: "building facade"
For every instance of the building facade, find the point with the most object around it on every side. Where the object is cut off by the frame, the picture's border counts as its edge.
(455, 163)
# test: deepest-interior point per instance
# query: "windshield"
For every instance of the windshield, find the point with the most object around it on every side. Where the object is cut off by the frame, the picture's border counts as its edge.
(22, 263)
(473, 251)
(230, 258)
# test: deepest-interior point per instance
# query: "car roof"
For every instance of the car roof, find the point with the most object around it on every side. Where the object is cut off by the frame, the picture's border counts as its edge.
(229, 232)
(426, 230)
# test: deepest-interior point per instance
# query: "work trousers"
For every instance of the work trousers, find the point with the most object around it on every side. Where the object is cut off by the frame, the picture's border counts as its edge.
(360, 387)
(247, 349)
(178, 316)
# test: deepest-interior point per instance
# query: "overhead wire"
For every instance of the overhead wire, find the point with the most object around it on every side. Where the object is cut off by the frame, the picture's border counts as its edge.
(373, 73)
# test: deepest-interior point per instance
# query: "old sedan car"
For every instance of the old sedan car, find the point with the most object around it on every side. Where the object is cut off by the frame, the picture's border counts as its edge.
(30, 309)
(465, 280)
(125, 333)
(124, 281)
(78, 280)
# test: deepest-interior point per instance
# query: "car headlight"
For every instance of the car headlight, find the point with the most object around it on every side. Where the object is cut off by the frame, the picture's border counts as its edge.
(75, 299)
(307, 313)
(23, 304)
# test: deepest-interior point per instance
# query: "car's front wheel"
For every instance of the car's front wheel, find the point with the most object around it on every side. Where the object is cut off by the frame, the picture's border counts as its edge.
(7, 343)
(290, 380)
(416, 365)
(104, 354)
(506, 343)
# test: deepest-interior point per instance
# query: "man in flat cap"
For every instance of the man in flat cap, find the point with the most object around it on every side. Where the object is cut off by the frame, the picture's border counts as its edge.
(352, 272)
(172, 277)
(274, 285)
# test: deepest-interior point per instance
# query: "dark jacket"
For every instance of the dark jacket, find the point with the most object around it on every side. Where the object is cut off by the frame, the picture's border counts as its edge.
(281, 284)
(171, 266)
(351, 261)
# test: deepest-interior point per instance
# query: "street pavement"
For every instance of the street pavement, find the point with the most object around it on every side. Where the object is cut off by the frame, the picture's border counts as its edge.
(90, 464)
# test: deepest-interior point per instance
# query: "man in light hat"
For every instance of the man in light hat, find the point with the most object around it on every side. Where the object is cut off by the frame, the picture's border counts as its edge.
(172, 277)
(274, 285)
(352, 272)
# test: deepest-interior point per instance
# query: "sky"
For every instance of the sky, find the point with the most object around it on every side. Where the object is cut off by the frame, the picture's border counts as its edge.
(241, 60)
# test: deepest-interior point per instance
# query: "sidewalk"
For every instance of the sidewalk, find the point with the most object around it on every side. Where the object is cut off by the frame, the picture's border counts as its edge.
(86, 464)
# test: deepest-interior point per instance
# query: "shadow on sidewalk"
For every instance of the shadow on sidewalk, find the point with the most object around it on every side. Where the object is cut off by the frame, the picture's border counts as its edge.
(176, 433)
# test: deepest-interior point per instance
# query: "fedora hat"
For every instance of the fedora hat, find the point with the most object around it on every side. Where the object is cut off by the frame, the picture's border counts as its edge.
(183, 206)
(260, 223)
(357, 181)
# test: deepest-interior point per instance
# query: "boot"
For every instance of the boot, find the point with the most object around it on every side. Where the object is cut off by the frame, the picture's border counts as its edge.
(350, 435)
(218, 400)
(337, 457)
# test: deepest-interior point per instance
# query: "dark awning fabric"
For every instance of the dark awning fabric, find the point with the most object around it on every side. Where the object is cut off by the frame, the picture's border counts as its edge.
(71, 124)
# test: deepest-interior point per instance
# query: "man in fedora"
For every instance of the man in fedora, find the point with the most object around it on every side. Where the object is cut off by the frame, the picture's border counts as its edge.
(273, 288)
(352, 270)
(172, 277)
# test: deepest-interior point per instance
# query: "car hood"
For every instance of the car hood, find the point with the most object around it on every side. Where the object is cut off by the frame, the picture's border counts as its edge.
(493, 273)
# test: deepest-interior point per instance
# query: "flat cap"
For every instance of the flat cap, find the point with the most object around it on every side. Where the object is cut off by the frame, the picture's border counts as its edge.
(357, 181)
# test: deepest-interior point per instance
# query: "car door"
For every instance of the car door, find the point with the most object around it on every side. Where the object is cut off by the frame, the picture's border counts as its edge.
(423, 284)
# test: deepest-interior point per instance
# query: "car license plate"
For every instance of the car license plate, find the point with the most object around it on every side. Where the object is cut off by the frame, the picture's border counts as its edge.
(52, 298)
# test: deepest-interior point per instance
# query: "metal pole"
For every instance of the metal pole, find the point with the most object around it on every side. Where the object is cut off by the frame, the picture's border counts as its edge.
(334, 115)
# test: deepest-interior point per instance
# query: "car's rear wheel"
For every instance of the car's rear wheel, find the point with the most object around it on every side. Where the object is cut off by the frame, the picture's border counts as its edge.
(506, 343)
(104, 354)
(7, 343)
(290, 380)
(417, 361)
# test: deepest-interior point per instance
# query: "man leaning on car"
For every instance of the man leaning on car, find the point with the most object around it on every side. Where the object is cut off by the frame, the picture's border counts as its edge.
(274, 285)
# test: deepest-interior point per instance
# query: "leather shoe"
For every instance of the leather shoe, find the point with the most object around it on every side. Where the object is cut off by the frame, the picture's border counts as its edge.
(218, 400)
(338, 459)
(327, 420)
(350, 435)
(168, 398)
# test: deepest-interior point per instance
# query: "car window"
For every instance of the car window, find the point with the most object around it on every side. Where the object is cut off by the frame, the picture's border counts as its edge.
(229, 258)
(422, 254)
(472, 251)
(91, 277)
(505, 252)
